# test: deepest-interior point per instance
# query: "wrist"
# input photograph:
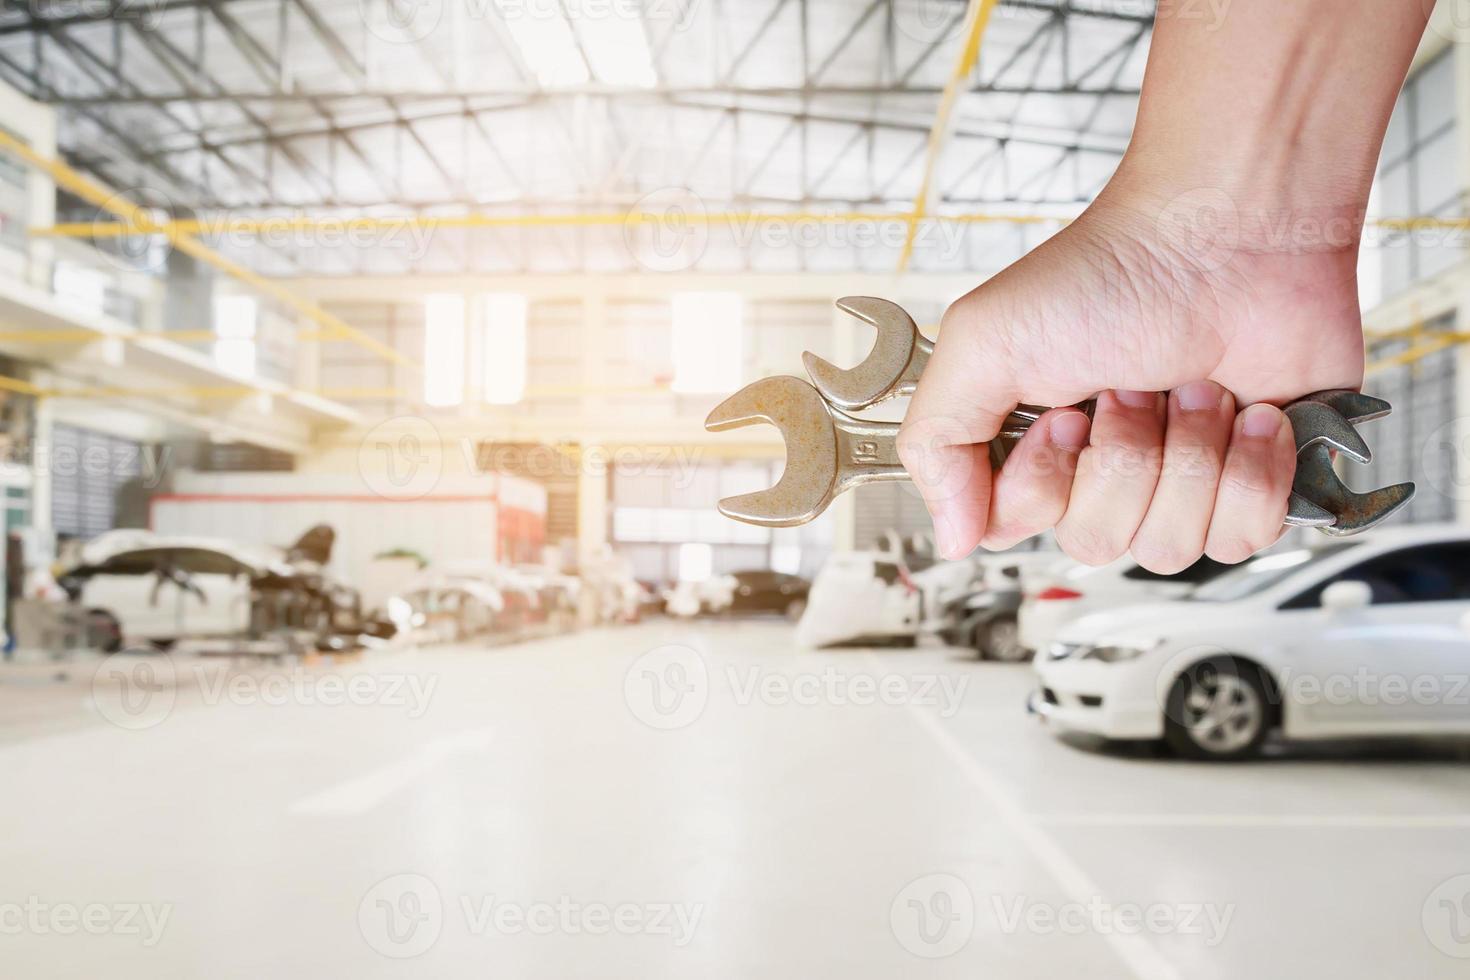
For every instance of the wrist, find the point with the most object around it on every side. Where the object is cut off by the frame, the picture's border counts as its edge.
(1201, 206)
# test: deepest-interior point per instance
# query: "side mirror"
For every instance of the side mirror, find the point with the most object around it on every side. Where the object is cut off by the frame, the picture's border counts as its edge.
(1346, 596)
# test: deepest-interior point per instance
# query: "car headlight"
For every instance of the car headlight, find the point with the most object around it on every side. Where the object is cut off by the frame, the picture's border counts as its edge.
(1114, 653)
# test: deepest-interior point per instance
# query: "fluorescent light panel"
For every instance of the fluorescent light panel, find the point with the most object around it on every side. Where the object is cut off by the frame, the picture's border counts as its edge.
(234, 325)
(547, 44)
(611, 35)
(443, 349)
(505, 347)
(708, 345)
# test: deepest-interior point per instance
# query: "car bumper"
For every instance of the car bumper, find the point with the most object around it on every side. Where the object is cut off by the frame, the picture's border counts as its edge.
(1096, 698)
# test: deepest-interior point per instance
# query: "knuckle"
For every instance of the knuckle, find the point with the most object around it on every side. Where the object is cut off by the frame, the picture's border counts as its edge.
(1088, 544)
(1229, 548)
(1164, 557)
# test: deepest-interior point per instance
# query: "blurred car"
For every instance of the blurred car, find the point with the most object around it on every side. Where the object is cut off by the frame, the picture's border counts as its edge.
(137, 585)
(558, 592)
(981, 613)
(861, 597)
(1066, 590)
(1365, 636)
(451, 609)
(763, 591)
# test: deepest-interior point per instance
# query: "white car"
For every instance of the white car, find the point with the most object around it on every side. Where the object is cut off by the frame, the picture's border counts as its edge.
(1359, 636)
(136, 585)
(861, 597)
(1064, 591)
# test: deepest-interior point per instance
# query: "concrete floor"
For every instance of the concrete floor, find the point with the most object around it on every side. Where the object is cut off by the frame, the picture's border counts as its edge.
(688, 801)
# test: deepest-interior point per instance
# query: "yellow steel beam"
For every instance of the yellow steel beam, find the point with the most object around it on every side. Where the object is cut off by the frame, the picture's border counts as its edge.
(142, 220)
(1434, 343)
(302, 223)
(977, 18)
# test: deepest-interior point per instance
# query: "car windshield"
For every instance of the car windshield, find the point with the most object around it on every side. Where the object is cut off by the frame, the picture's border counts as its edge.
(1264, 571)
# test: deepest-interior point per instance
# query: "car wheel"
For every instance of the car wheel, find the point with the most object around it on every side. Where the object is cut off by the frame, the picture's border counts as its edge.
(1000, 640)
(1218, 709)
(104, 632)
(794, 609)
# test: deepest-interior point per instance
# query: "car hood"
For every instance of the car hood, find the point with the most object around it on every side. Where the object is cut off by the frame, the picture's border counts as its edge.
(1148, 619)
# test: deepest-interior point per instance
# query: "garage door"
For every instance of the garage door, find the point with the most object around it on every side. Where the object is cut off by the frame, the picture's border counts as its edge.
(88, 469)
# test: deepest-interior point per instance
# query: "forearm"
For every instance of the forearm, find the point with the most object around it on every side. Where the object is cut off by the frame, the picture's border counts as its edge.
(1279, 104)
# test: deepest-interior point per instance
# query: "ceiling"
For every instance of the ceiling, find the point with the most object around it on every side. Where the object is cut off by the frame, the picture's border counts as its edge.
(533, 111)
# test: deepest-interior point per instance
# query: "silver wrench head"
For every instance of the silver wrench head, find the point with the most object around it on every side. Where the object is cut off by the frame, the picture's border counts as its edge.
(1352, 405)
(809, 481)
(1319, 485)
(1314, 422)
(874, 379)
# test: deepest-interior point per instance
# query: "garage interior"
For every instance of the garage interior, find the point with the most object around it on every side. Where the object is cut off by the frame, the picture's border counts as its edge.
(368, 608)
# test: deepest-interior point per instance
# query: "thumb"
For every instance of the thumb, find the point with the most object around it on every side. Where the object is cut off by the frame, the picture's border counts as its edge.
(967, 390)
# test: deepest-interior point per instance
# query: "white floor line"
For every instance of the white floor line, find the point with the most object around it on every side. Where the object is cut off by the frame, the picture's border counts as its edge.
(1136, 952)
(363, 793)
(1367, 821)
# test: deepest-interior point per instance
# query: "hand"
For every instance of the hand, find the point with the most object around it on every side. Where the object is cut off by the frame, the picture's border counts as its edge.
(1192, 335)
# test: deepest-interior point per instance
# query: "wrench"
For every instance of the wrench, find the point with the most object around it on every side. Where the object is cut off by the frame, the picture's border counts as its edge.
(829, 451)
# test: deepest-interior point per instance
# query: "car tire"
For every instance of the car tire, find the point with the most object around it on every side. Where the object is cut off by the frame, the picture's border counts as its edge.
(1217, 710)
(104, 632)
(795, 609)
(1000, 640)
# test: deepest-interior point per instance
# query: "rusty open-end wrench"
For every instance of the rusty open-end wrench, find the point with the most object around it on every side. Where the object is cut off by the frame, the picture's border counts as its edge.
(829, 451)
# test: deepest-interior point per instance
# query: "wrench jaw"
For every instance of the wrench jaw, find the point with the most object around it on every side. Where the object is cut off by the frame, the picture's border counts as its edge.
(890, 369)
(808, 483)
(1319, 485)
(1321, 423)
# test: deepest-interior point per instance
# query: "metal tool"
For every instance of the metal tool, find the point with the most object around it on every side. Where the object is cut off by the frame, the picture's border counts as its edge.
(829, 451)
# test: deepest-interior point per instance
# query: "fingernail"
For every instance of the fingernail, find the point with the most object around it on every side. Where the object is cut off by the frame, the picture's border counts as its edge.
(1137, 399)
(1198, 396)
(1261, 422)
(1068, 430)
